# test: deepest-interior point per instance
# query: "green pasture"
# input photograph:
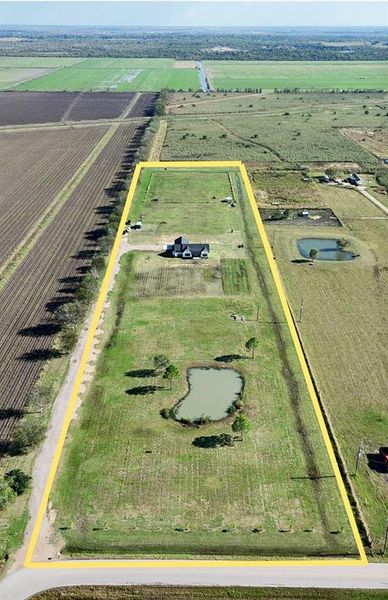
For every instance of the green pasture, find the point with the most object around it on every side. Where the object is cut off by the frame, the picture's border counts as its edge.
(268, 75)
(116, 74)
(131, 483)
(277, 128)
(337, 299)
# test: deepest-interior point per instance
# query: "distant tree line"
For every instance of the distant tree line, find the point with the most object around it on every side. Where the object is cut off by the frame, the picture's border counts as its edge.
(197, 44)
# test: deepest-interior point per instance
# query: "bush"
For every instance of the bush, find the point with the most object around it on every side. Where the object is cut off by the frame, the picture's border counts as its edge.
(28, 434)
(6, 493)
(17, 480)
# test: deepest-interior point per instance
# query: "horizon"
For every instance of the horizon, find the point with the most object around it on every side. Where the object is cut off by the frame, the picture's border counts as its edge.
(167, 14)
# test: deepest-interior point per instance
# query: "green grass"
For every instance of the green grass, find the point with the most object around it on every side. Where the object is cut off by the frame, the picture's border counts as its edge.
(235, 275)
(131, 483)
(116, 74)
(344, 308)
(303, 75)
(276, 128)
(206, 593)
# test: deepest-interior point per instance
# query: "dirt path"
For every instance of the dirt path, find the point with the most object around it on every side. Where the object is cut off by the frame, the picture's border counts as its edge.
(157, 146)
(72, 124)
(47, 547)
(372, 199)
(129, 106)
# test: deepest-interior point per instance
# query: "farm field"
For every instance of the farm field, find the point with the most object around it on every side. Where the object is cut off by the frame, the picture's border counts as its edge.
(345, 308)
(46, 276)
(205, 593)
(21, 108)
(116, 74)
(275, 128)
(16, 70)
(269, 75)
(53, 157)
(148, 485)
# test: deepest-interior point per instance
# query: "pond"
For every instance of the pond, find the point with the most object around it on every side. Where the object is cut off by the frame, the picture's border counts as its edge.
(328, 249)
(211, 393)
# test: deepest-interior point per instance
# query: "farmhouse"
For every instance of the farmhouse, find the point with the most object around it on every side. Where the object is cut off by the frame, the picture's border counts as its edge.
(184, 249)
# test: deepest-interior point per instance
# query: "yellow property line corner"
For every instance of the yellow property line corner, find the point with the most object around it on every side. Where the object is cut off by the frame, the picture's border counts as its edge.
(29, 563)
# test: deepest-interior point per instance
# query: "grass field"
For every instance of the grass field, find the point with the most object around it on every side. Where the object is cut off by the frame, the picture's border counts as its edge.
(345, 307)
(206, 593)
(113, 74)
(133, 483)
(16, 70)
(277, 128)
(237, 75)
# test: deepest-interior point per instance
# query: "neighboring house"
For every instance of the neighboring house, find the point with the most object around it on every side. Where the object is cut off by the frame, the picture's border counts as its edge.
(182, 248)
(354, 179)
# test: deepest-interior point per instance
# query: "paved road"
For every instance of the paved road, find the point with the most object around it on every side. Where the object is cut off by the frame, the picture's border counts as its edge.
(25, 582)
(202, 77)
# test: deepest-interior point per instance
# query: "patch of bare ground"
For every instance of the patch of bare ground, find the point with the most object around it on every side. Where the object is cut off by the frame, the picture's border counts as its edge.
(375, 141)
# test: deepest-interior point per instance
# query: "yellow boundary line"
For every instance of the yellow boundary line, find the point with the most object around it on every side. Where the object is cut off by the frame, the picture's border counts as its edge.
(29, 563)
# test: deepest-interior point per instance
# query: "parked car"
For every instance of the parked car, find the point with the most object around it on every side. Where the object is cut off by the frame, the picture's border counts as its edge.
(383, 452)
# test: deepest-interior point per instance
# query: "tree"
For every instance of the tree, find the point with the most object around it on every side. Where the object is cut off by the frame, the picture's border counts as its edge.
(17, 480)
(342, 243)
(29, 433)
(69, 337)
(160, 361)
(313, 254)
(251, 345)
(6, 493)
(241, 425)
(171, 372)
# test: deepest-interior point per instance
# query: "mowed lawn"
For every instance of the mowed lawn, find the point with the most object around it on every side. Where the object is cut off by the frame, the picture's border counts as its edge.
(117, 74)
(132, 483)
(343, 327)
(267, 75)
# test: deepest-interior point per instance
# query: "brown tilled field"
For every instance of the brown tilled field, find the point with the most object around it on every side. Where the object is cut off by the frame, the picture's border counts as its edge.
(34, 167)
(22, 108)
(47, 275)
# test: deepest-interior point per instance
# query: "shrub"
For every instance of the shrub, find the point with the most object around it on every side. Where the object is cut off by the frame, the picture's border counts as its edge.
(17, 480)
(28, 434)
(6, 493)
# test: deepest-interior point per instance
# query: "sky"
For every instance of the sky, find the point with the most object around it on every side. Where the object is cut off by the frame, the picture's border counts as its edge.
(184, 13)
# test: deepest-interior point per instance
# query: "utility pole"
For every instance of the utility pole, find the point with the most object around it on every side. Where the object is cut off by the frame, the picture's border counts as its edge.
(359, 454)
(301, 310)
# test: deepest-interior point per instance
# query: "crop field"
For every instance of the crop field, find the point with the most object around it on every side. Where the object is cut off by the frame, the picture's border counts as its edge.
(45, 277)
(345, 308)
(133, 483)
(16, 70)
(277, 128)
(269, 75)
(52, 158)
(205, 593)
(21, 108)
(116, 74)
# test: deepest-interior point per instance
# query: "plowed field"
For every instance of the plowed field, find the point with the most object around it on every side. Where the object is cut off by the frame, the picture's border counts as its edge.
(34, 167)
(45, 276)
(20, 108)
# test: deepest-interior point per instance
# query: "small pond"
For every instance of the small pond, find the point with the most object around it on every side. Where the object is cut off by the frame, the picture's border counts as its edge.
(328, 249)
(211, 393)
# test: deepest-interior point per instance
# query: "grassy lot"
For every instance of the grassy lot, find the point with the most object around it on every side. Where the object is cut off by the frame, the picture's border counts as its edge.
(117, 74)
(345, 307)
(206, 593)
(16, 70)
(133, 483)
(288, 128)
(228, 74)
